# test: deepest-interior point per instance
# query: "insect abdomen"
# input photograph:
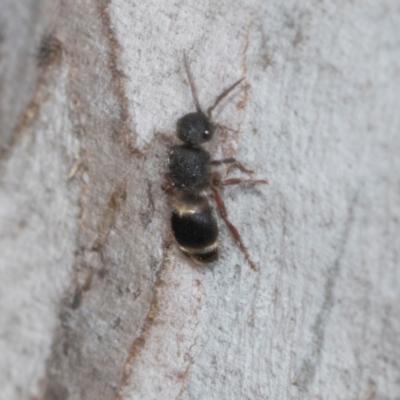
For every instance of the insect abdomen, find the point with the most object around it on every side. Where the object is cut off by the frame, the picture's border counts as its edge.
(195, 228)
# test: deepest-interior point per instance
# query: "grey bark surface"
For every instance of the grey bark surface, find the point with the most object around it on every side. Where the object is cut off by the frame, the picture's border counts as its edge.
(96, 300)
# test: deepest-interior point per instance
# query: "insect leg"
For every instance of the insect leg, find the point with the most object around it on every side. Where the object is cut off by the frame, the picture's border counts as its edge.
(167, 186)
(222, 212)
(234, 163)
(238, 181)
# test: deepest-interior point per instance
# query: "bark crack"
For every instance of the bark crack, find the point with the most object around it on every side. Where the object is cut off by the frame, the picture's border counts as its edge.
(309, 365)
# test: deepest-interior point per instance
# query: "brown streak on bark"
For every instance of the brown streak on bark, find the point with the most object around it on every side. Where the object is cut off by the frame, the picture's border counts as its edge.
(191, 360)
(118, 79)
(140, 341)
(114, 204)
(49, 54)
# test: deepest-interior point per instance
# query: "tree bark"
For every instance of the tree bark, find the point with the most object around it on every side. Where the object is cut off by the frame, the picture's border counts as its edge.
(97, 301)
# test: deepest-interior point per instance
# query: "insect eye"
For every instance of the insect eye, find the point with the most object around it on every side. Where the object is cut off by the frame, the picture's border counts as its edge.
(208, 132)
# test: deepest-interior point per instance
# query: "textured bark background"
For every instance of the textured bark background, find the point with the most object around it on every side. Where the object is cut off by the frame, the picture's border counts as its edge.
(96, 302)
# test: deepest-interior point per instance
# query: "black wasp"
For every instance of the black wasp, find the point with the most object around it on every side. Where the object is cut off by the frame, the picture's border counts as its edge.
(194, 222)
